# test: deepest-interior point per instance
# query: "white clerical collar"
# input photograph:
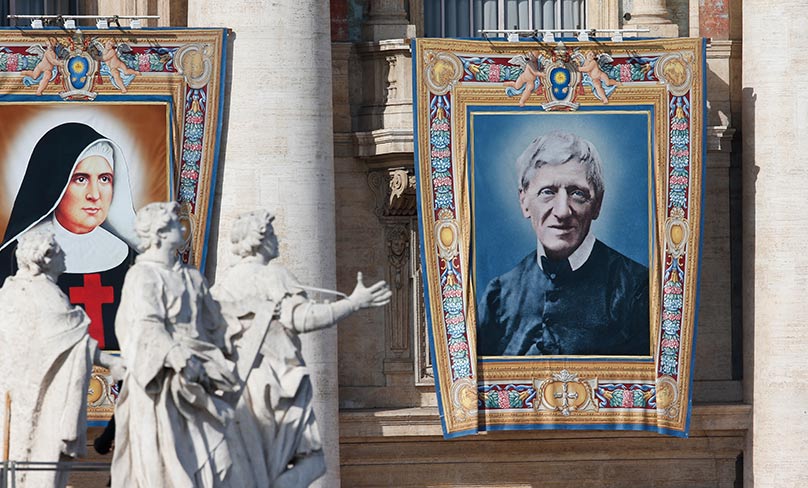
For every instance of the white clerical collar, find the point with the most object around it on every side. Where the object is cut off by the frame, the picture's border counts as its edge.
(577, 258)
(95, 251)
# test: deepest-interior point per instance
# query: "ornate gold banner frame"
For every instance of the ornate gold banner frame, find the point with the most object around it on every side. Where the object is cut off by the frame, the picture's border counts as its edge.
(477, 106)
(157, 94)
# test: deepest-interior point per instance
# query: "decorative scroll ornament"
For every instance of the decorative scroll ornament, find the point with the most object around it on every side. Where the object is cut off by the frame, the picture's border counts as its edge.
(400, 181)
(677, 231)
(447, 233)
(675, 70)
(464, 398)
(442, 71)
(564, 392)
(667, 397)
(193, 61)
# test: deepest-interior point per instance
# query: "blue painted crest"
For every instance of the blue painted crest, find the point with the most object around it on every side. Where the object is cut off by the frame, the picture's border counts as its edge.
(560, 82)
(78, 68)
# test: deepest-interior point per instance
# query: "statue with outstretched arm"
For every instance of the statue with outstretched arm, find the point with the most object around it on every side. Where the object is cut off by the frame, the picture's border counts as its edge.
(272, 309)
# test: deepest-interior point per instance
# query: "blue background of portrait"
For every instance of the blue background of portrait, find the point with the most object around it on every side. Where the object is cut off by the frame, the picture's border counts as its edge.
(501, 235)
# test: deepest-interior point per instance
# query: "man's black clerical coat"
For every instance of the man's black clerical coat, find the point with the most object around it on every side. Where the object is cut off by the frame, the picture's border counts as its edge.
(599, 309)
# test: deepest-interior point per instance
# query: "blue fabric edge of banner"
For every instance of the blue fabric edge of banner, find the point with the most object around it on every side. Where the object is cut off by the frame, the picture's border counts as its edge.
(701, 231)
(424, 277)
(217, 149)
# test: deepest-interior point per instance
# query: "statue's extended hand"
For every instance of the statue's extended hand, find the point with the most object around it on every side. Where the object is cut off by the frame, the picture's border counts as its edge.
(376, 295)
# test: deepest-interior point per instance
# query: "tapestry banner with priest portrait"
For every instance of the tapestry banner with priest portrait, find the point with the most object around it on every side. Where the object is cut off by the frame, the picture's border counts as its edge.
(97, 123)
(559, 198)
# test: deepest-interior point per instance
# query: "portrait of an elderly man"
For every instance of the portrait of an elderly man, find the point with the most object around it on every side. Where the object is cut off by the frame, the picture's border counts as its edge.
(573, 294)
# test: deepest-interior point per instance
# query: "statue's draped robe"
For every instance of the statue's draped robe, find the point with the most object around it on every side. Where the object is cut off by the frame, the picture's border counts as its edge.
(46, 363)
(171, 432)
(275, 414)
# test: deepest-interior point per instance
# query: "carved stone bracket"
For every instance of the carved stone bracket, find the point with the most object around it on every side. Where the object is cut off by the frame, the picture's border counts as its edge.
(395, 206)
(394, 190)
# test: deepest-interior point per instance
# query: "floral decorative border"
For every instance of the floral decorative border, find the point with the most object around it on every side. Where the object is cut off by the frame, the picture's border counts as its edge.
(655, 395)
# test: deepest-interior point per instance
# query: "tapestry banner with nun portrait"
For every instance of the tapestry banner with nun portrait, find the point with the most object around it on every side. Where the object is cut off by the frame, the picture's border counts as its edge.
(96, 124)
(559, 204)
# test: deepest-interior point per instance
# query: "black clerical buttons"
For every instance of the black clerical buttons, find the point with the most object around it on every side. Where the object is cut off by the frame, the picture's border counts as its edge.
(552, 296)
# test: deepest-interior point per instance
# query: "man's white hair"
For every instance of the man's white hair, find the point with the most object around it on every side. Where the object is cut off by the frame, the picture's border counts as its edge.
(559, 147)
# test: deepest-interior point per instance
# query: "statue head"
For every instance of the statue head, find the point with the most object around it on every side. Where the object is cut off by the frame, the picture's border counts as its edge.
(39, 253)
(252, 234)
(157, 225)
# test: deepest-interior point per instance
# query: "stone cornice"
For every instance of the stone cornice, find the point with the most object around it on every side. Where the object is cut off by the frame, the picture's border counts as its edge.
(718, 49)
(387, 46)
(383, 142)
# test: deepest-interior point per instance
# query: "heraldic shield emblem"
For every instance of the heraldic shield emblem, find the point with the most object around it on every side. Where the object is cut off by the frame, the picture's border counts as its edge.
(80, 69)
(560, 82)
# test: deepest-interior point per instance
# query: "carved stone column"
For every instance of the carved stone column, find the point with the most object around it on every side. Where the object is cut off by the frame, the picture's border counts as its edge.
(775, 121)
(279, 155)
(653, 15)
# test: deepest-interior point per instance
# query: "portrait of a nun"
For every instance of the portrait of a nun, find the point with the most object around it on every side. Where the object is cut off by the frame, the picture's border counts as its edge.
(77, 183)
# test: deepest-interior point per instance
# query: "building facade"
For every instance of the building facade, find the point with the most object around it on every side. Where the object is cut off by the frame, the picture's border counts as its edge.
(319, 130)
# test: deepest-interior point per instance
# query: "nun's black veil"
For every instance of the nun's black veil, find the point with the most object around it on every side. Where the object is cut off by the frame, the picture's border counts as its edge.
(47, 174)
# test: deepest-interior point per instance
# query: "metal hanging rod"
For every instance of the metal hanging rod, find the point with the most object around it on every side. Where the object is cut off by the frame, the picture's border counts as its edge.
(548, 35)
(69, 21)
(125, 17)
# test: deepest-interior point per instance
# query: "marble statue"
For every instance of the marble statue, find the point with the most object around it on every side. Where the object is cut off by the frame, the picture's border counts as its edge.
(172, 416)
(45, 364)
(274, 414)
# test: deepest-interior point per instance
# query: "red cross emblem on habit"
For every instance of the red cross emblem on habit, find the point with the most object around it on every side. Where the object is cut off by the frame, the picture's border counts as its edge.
(92, 295)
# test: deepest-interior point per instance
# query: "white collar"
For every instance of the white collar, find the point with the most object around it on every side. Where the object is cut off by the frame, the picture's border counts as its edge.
(577, 258)
(95, 251)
